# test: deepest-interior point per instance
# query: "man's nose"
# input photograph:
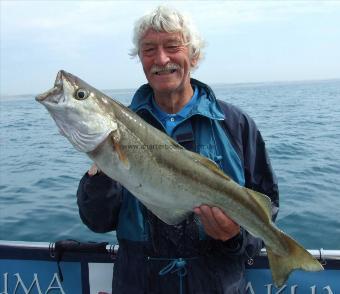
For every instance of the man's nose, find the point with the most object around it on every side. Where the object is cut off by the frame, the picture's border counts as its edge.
(161, 57)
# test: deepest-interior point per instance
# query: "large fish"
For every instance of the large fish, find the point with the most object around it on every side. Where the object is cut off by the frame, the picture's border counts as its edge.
(168, 179)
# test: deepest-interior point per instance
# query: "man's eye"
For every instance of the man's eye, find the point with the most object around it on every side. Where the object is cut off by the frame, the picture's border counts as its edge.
(172, 48)
(148, 50)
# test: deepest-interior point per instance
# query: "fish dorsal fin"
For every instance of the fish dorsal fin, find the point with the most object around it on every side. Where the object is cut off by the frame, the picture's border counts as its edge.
(176, 145)
(262, 200)
(210, 164)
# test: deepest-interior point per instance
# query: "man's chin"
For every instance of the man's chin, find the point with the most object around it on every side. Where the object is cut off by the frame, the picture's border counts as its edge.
(164, 87)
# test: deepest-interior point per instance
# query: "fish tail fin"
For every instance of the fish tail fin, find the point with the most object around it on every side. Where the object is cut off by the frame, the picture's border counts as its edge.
(297, 258)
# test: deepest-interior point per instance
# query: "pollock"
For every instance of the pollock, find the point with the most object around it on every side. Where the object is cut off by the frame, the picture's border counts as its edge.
(168, 179)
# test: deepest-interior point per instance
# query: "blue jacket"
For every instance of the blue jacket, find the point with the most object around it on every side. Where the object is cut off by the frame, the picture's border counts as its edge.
(220, 132)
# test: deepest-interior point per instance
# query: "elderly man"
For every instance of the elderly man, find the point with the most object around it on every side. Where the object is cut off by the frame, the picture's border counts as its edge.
(206, 253)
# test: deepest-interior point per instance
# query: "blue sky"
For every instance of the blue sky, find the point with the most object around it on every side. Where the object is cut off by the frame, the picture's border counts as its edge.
(247, 41)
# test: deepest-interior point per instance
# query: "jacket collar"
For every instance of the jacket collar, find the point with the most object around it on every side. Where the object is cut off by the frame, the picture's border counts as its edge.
(206, 103)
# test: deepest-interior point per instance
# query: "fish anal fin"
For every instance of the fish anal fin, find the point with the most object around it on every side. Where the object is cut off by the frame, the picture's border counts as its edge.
(168, 216)
(297, 257)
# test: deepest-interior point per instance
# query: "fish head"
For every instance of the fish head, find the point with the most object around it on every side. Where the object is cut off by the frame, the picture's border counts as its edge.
(81, 112)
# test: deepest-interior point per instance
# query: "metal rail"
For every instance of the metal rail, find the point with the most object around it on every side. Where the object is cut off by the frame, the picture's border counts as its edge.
(321, 254)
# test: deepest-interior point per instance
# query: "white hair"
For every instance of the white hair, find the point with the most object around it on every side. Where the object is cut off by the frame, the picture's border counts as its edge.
(165, 19)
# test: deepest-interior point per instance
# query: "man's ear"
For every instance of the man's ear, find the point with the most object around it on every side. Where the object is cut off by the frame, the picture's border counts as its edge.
(194, 62)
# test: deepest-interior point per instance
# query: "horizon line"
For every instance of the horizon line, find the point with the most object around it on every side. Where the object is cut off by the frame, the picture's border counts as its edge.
(218, 84)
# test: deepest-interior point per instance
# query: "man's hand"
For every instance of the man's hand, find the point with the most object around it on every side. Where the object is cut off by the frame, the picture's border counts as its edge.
(93, 170)
(216, 224)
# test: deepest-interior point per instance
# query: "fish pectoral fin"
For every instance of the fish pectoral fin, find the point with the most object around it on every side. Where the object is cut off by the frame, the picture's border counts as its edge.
(262, 200)
(121, 155)
(297, 257)
(120, 152)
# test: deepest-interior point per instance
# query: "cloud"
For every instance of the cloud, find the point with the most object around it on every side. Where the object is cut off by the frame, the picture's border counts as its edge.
(111, 18)
(225, 16)
(83, 35)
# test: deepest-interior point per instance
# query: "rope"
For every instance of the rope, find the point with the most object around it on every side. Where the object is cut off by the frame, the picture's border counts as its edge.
(176, 265)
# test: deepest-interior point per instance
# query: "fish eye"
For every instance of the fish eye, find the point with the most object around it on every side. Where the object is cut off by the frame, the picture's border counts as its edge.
(81, 94)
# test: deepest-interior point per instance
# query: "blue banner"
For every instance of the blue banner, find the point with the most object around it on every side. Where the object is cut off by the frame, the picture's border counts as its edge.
(299, 282)
(41, 277)
(32, 276)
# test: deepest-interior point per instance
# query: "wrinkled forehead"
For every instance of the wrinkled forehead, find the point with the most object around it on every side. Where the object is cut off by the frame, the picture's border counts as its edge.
(154, 37)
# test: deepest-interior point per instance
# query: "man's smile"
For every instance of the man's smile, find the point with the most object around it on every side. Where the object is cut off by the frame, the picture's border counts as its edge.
(167, 69)
(165, 72)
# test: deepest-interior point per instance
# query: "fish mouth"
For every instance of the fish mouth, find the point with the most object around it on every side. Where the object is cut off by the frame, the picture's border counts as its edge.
(53, 94)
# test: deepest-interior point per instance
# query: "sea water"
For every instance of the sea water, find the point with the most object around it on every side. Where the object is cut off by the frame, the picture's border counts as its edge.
(300, 123)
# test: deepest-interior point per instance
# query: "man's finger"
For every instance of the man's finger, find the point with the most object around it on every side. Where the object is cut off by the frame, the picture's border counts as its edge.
(225, 223)
(208, 221)
(93, 170)
(221, 219)
(207, 215)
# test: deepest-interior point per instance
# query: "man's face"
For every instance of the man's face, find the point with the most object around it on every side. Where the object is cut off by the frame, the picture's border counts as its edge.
(166, 61)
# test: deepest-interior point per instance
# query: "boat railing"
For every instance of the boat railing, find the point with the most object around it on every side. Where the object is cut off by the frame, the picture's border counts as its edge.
(320, 254)
(87, 267)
